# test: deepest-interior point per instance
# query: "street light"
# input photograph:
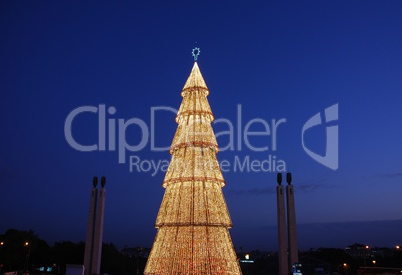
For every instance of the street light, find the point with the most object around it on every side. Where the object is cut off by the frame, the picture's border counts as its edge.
(26, 244)
(345, 267)
(366, 253)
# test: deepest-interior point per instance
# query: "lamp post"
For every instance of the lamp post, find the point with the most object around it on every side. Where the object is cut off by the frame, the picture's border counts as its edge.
(247, 257)
(365, 254)
(343, 268)
(26, 244)
(1, 254)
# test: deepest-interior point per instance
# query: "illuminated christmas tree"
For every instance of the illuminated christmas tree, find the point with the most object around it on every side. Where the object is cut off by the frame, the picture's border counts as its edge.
(193, 221)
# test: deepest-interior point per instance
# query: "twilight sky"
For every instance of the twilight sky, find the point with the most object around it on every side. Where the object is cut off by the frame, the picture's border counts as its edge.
(261, 60)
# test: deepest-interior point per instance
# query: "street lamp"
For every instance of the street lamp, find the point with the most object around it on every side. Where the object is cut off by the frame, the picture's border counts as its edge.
(247, 257)
(26, 244)
(366, 253)
(345, 267)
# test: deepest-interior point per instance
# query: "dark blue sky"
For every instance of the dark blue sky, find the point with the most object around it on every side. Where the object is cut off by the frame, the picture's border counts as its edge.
(286, 60)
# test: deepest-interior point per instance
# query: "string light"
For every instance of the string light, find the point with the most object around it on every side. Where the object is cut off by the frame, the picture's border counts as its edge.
(193, 220)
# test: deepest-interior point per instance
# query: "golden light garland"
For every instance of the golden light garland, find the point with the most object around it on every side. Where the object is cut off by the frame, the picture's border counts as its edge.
(193, 221)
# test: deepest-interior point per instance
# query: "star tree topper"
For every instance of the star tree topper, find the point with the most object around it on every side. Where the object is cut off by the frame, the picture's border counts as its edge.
(196, 52)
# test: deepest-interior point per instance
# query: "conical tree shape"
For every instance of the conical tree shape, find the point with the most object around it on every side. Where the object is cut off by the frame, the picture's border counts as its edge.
(193, 221)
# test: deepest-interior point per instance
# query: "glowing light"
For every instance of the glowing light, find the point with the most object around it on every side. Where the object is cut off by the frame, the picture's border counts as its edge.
(193, 220)
(26, 244)
(397, 247)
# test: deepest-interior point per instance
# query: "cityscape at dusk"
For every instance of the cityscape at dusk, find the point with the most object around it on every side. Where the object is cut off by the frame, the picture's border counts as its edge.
(93, 89)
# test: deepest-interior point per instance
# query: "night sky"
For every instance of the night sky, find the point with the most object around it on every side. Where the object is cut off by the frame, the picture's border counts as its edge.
(272, 59)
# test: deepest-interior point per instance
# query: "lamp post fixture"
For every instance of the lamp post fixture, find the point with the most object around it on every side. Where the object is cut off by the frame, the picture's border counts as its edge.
(1, 254)
(247, 257)
(26, 244)
(343, 268)
(366, 252)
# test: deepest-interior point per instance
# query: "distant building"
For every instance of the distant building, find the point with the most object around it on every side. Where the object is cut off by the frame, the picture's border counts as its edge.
(365, 251)
(379, 270)
(358, 250)
(310, 265)
(382, 252)
(133, 252)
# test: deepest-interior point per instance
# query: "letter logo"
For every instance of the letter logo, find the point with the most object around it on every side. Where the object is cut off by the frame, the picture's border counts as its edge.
(68, 128)
(330, 159)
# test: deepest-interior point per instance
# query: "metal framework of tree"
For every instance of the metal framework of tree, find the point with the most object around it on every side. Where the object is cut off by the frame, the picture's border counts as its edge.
(193, 221)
